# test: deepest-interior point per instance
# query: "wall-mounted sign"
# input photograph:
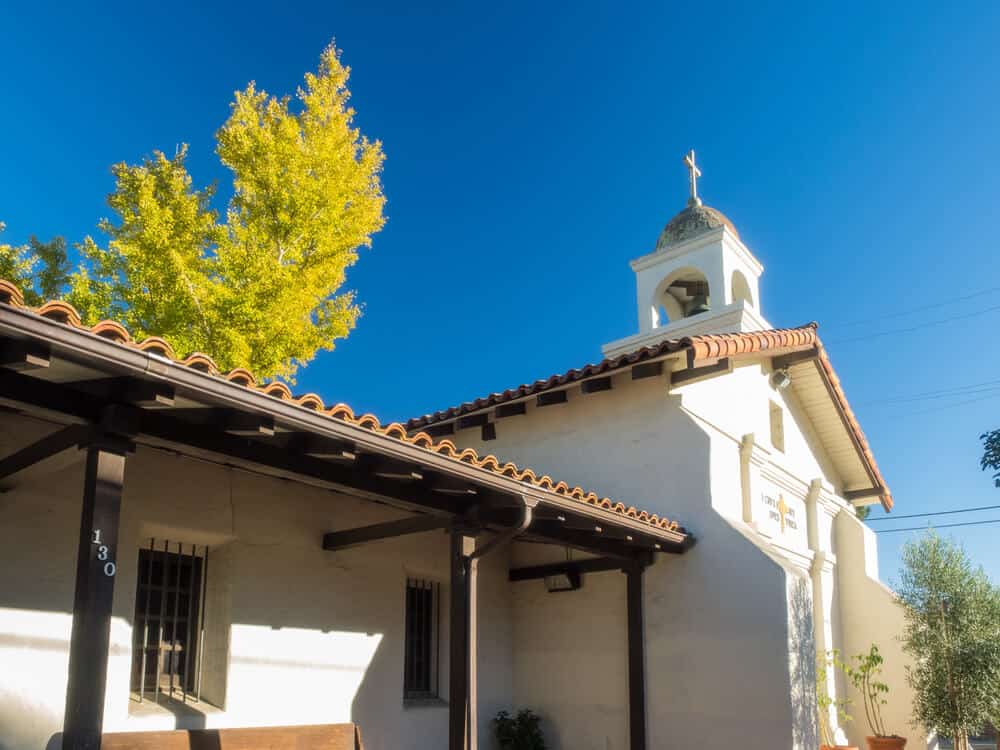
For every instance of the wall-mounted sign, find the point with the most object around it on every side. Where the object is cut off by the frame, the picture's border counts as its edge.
(778, 510)
(782, 517)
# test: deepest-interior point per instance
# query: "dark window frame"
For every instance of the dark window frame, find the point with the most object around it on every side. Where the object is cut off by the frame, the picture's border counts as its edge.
(168, 624)
(421, 640)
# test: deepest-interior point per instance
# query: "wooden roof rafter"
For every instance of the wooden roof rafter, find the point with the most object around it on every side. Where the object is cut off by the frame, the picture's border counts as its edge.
(192, 411)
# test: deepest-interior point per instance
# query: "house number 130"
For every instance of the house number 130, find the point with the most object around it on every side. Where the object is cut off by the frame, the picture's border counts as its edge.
(102, 554)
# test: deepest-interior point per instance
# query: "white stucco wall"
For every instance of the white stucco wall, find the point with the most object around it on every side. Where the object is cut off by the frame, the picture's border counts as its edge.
(719, 636)
(295, 634)
(734, 626)
(871, 614)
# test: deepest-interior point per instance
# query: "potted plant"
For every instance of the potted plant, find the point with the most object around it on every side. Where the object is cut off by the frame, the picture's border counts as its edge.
(521, 732)
(864, 673)
(824, 702)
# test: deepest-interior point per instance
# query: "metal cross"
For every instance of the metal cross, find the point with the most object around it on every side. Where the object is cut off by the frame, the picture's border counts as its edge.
(695, 173)
(783, 510)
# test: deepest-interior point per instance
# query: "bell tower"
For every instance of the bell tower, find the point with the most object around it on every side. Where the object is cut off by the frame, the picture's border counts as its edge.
(700, 278)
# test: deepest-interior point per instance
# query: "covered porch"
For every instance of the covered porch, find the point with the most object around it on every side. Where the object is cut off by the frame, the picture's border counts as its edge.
(291, 545)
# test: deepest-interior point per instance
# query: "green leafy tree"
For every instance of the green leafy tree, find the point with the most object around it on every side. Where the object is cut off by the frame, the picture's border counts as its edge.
(40, 269)
(953, 634)
(259, 286)
(991, 454)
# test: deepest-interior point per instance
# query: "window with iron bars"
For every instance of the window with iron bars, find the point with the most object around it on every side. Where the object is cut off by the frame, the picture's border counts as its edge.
(420, 678)
(168, 628)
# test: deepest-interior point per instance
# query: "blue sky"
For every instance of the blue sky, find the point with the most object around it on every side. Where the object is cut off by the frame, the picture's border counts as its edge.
(534, 148)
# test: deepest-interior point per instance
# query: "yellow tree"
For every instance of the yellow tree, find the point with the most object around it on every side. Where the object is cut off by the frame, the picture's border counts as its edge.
(263, 288)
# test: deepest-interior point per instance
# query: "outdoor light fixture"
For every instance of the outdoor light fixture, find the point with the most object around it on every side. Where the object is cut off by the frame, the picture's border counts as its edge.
(781, 379)
(568, 581)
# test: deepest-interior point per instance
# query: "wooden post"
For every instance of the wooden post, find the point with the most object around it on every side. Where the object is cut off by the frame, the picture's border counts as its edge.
(636, 659)
(472, 728)
(96, 567)
(458, 638)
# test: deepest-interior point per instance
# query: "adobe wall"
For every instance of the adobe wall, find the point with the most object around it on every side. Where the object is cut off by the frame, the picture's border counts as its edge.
(295, 634)
(719, 635)
(871, 614)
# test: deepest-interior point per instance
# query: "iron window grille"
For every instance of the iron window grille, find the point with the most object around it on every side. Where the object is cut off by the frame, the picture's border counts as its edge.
(422, 641)
(169, 628)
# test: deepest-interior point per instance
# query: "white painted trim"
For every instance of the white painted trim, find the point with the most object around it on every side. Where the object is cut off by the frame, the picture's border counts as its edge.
(713, 235)
(734, 318)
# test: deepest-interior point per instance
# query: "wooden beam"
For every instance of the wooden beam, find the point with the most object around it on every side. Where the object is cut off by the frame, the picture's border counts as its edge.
(127, 390)
(246, 424)
(462, 546)
(556, 532)
(472, 420)
(787, 360)
(340, 540)
(440, 430)
(202, 437)
(488, 432)
(596, 385)
(96, 568)
(591, 565)
(647, 370)
(548, 398)
(147, 394)
(693, 373)
(636, 658)
(386, 467)
(865, 493)
(319, 446)
(355, 475)
(49, 446)
(449, 485)
(22, 355)
(510, 410)
(580, 532)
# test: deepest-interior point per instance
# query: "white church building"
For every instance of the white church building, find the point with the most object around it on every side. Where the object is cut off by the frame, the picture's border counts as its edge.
(648, 552)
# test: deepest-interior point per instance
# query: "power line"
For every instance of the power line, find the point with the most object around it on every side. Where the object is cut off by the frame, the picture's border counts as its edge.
(958, 390)
(934, 513)
(942, 526)
(949, 406)
(920, 327)
(912, 311)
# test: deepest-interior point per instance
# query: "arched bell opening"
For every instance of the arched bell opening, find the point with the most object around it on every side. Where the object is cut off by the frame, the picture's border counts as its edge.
(741, 288)
(683, 294)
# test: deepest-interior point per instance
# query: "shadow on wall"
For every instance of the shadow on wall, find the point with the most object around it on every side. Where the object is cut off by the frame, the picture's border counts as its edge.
(802, 665)
(729, 628)
(728, 661)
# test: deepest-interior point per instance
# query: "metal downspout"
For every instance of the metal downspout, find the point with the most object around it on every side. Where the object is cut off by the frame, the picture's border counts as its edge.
(527, 514)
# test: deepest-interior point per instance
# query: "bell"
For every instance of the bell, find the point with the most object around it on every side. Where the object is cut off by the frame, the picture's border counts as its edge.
(698, 305)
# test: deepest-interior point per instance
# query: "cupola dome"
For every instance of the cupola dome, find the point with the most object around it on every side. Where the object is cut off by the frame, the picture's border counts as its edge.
(694, 220)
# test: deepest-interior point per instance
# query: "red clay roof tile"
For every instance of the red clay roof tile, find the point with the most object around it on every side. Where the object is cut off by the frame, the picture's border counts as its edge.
(697, 348)
(64, 313)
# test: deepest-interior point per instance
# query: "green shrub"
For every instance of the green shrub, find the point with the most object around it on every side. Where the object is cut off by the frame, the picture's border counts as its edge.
(521, 732)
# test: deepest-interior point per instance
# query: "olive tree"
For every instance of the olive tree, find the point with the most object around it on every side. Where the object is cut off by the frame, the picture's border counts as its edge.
(953, 635)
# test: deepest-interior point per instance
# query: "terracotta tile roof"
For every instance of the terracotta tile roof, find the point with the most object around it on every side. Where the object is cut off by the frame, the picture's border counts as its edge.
(64, 313)
(697, 349)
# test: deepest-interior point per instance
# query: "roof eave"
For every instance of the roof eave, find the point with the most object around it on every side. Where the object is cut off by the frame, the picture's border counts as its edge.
(85, 347)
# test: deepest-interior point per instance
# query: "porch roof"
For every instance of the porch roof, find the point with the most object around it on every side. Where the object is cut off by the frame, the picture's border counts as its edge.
(53, 365)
